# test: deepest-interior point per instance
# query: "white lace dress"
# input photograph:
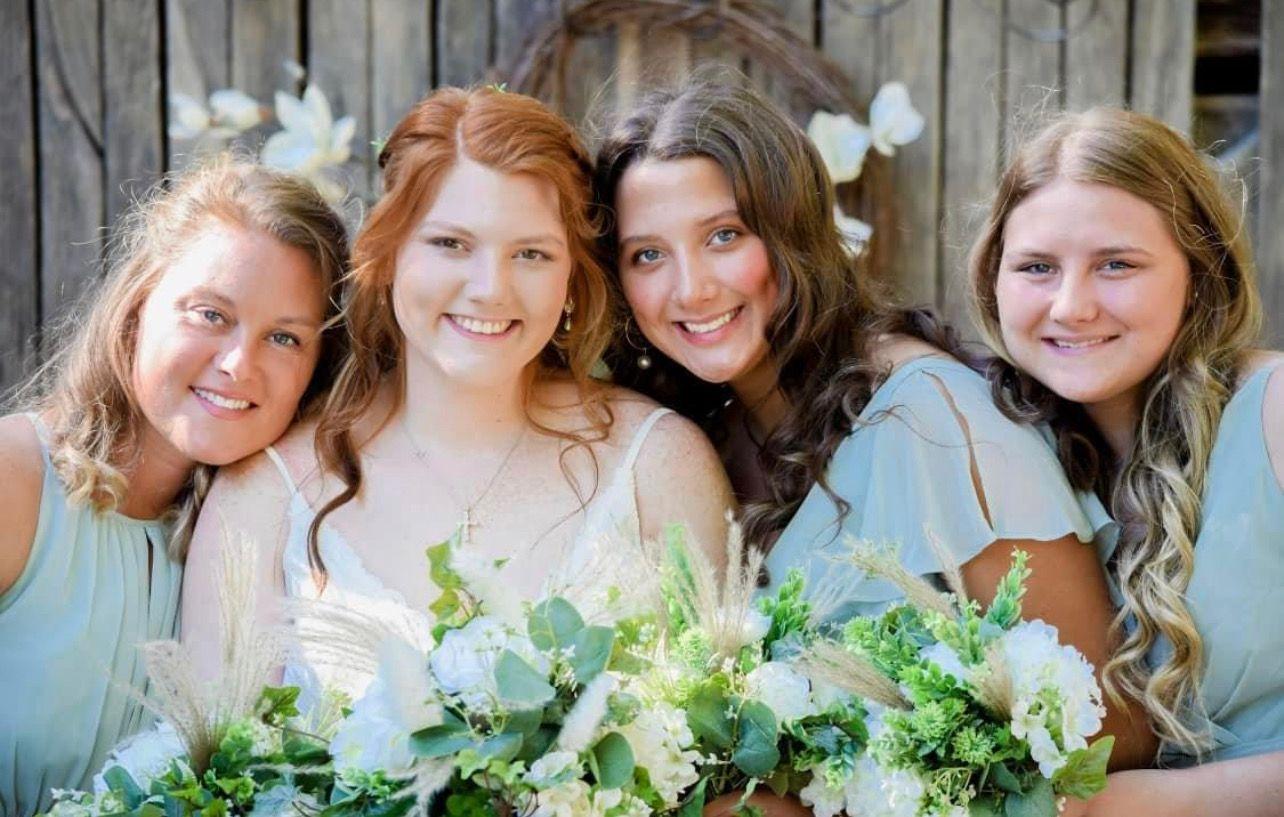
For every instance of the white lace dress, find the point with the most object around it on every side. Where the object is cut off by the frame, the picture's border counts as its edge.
(613, 516)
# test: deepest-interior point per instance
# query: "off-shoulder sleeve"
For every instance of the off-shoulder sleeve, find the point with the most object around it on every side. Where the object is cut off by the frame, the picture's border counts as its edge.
(906, 473)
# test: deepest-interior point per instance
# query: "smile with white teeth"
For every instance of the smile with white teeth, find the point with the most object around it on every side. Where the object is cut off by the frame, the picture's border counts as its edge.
(221, 401)
(1077, 344)
(709, 326)
(481, 327)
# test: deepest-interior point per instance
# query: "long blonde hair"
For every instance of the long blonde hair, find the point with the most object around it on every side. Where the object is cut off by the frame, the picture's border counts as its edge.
(1156, 492)
(510, 133)
(85, 389)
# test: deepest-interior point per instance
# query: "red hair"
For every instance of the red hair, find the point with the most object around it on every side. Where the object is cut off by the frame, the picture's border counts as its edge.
(510, 133)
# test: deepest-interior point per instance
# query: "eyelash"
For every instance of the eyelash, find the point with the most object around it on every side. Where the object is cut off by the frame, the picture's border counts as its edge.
(734, 234)
(206, 313)
(1030, 268)
(637, 256)
(540, 255)
(446, 243)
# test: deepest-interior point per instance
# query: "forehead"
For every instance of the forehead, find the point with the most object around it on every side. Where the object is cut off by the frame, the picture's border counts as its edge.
(673, 189)
(476, 195)
(244, 265)
(1072, 212)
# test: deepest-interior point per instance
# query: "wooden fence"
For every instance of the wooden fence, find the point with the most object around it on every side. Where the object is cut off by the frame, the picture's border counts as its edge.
(84, 86)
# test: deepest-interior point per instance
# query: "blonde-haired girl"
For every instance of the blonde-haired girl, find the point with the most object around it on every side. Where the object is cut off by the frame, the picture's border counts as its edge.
(199, 349)
(1115, 281)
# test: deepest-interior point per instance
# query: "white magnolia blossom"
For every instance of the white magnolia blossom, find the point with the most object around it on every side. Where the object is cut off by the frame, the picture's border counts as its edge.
(842, 142)
(784, 690)
(311, 140)
(399, 701)
(464, 663)
(659, 737)
(227, 113)
(892, 119)
(1056, 701)
(146, 756)
(855, 232)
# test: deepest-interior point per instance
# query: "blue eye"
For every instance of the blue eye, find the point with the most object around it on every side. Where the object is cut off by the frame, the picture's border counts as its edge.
(724, 236)
(284, 339)
(1115, 265)
(446, 243)
(211, 316)
(529, 254)
(1037, 268)
(647, 256)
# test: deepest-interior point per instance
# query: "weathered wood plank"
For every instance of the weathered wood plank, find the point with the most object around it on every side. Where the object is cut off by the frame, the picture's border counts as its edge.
(265, 35)
(339, 63)
(852, 38)
(463, 41)
(1163, 59)
(133, 108)
(588, 94)
(19, 274)
(198, 36)
(800, 17)
(1096, 54)
(1033, 69)
(973, 128)
(515, 21)
(1270, 238)
(666, 56)
(401, 63)
(69, 60)
(912, 54)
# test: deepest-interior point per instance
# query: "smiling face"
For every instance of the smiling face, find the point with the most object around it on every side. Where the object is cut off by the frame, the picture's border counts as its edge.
(480, 285)
(699, 283)
(227, 343)
(1091, 290)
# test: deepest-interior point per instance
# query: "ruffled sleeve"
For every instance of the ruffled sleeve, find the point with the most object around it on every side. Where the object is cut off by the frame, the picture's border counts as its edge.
(906, 472)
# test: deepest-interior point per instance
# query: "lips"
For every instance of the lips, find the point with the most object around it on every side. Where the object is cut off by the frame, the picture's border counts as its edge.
(223, 401)
(481, 326)
(704, 327)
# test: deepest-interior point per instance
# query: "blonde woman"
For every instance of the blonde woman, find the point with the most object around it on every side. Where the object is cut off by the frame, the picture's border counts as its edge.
(1114, 279)
(199, 349)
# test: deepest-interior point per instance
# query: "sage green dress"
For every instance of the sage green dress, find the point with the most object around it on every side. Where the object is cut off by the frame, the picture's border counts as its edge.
(69, 631)
(1236, 593)
(906, 473)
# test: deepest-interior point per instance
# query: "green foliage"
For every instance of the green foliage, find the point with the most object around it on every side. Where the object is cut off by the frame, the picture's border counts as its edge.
(1084, 774)
(790, 613)
(613, 761)
(755, 751)
(449, 601)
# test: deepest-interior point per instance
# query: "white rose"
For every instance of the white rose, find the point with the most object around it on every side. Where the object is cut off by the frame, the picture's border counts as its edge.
(398, 702)
(785, 691)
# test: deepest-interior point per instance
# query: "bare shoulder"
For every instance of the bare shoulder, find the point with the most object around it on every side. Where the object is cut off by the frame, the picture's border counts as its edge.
(21, 473)
(893, 351)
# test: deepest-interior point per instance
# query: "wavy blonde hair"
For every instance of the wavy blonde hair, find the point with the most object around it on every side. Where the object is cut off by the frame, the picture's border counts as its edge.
(85, 389)
(1155, 493)
(510, 133)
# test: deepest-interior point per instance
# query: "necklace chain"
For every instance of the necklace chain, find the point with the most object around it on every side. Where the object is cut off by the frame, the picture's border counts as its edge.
(466, 526)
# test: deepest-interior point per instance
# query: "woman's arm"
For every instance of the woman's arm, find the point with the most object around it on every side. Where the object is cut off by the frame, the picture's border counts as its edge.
(249, 499)
(1243, 787)
(21, 473)
(680, 479)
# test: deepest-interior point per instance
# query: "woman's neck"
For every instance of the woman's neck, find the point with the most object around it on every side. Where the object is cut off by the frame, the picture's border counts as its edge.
(1117, 420)
(758, 390)
(156, 475)
(443, 414)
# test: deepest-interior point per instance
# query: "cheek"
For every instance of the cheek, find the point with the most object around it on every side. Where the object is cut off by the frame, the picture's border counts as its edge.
(1017, 304)
(646, 296)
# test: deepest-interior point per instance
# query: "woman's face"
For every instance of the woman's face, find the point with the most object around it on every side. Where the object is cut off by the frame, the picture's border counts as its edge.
(480, 286)
(1092, 288)
(700, 284)
(227, 343)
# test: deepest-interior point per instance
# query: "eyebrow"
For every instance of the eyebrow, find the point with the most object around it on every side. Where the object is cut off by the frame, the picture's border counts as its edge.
(1116, 249)
(730, 212)
(219, 299)
(540, 238)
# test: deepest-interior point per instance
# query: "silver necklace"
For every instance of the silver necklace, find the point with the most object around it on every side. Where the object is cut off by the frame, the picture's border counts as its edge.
(468, 523)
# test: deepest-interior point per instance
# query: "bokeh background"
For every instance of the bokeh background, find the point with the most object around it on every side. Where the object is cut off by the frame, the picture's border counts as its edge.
(100, 98)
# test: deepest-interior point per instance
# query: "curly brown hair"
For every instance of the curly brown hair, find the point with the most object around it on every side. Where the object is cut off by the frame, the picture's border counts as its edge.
(830, 312)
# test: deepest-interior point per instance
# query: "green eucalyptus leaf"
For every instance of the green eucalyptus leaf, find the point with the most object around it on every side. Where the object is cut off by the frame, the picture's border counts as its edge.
(524, 721)
(504, 746)
(444, 739)
(694, 806)
(538, 743)
(1085, 771)
(755, 752)
(149, 810)
(615, 761)
(1004, 779)
(120, 781)
(553, 624)
(1037, 801)
(707, 717)
(592, 647)
(984, 807)
(520, 683)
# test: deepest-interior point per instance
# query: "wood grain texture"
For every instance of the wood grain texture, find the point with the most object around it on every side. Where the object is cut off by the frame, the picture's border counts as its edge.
(133, 110)
(265, 35)
(339, 63)
(69, 92)
(198, 49)
(1032, 69)
(19, 273)
(1270, 239)
(1096, 54)
(1163, 59)
(401, 61)
(463, 41)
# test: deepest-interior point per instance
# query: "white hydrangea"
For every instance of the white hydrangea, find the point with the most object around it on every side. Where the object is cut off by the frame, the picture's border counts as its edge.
(1056, 701)
(780, 687)
(464, 662)
(575, 798)
(870, 791)
(825, 800)
(658, 737)
(399, 701)
(146, 756)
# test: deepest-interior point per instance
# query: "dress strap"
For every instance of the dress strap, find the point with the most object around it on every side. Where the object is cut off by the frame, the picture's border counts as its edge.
(280, 466)
(639, 437)
(42, 434)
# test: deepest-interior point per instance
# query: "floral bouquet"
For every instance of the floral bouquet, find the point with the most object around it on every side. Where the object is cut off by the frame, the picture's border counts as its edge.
(981, 714)
(729, 663)
(512, 711)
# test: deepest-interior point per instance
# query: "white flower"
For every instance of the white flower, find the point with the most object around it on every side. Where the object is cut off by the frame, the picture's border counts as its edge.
(825, 800)
(311, 140)
(842, 142)
(146, 756)
(234, 111)
(892, 118)
(1056, 701)
(188, 118)
(854, 231)
(659, 737)
(481, 577)
(582, 723)
(786, 692)
(944, 657)
(875, 791)
(546, 770)
(398, 702)
(227, 113)
(575, 798)
(464, 662)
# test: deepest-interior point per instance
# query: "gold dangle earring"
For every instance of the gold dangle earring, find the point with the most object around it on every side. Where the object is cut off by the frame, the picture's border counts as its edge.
(644, 359)
(567, 309)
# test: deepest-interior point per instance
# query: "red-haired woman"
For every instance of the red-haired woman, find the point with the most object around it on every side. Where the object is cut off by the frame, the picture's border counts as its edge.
(476, 313)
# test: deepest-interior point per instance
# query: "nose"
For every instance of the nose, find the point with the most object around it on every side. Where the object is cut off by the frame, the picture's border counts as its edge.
(695, 281)
(489, 278)
(238, 358)
(1075, 300)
